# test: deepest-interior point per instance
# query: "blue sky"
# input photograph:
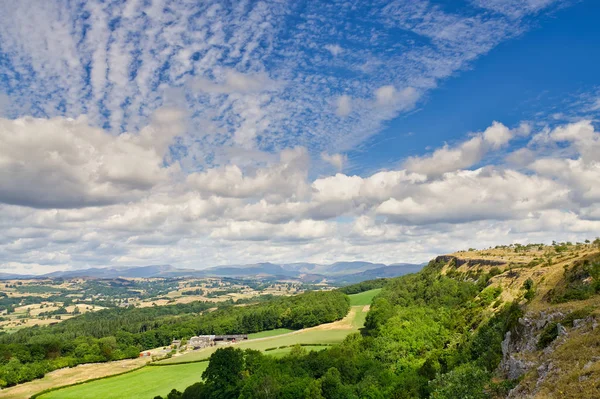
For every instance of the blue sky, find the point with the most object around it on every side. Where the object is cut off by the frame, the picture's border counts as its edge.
(546, 70)
(205, 133)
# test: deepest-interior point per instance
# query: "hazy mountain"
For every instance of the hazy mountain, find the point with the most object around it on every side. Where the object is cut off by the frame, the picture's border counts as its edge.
(339, 272)
(381, 272)
(10, 276)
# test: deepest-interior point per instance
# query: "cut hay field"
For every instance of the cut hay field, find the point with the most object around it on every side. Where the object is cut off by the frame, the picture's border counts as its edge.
(145, 383)
(71, 375)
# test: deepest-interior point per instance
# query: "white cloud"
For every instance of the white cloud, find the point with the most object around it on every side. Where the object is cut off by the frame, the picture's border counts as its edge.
(385, 95)
(515, 8)
(393, 215)
(334, 49)
(467, 154)
(65, 163)
(344, 106)
(231, 81)
(336, 160)
(286, 178)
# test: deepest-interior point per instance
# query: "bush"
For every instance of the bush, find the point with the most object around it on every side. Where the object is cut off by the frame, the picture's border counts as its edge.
(465, 382)
(548, 335)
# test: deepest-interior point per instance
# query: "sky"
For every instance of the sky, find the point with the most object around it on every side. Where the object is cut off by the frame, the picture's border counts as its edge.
(211, 133)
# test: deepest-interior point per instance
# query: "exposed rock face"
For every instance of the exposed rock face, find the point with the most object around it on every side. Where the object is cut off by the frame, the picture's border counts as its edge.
(520, 352)
(460, 262)
(513, 365)
(516, 346)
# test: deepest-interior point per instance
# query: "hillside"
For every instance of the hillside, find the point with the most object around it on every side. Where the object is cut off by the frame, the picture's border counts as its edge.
(555, 348)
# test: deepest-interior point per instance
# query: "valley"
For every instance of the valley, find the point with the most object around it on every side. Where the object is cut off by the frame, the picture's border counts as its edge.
(517, 321)
(158, 377)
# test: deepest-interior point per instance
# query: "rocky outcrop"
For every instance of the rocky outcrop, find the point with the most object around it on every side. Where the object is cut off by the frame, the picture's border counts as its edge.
(459, 262)
(520, 353)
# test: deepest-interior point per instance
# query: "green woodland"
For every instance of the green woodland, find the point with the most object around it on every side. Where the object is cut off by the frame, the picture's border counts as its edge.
(426, 336)
(119, 333)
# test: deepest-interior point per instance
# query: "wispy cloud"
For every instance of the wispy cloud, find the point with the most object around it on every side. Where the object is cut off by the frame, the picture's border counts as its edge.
(257, 75)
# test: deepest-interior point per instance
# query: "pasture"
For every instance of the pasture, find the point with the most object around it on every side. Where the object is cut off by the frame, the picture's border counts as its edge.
(363, 298)
(145, 383)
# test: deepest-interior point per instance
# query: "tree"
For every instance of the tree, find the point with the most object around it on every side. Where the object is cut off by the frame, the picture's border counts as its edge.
(224, 373)
(465, 382)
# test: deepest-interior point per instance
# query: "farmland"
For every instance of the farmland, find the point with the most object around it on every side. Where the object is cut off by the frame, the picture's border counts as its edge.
(178, 373)
(140, 384)
(364, 298)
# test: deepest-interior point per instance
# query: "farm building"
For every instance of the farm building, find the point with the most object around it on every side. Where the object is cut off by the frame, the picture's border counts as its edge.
(202, 341)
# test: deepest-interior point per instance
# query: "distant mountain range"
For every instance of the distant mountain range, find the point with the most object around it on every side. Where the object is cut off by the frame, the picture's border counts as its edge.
(339, 272)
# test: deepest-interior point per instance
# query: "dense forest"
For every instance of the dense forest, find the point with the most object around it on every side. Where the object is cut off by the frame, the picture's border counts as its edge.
(426, 336)
(119, 333)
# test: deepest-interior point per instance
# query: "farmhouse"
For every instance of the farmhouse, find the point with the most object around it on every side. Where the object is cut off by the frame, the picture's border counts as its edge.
(202, 341)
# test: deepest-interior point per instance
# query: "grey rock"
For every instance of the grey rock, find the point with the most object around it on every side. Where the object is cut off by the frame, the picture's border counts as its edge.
(577, 323)
(561, 330)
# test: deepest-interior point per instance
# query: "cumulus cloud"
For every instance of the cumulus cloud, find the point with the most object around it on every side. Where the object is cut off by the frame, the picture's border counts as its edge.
(65, 163)
(468, 153)
(218, 215)
(285, 178)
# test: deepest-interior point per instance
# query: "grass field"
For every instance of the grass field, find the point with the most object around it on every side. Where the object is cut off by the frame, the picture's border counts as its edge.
(140, 384)
(364, 298)
(269, 333)
(330, 333)
(71, 375)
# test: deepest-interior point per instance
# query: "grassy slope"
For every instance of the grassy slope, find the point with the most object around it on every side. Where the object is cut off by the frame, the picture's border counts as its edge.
(143, 384)
(71, 375)
(269, 333)
(363, 298)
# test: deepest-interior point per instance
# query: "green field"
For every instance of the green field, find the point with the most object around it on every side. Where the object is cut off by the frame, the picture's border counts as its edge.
(145, 383)
(315, 335)
(364, 298)
(302, 337)
(159, 380)
(269, 333)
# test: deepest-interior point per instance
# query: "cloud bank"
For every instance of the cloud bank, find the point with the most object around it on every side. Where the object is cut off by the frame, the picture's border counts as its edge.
(93, 198)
